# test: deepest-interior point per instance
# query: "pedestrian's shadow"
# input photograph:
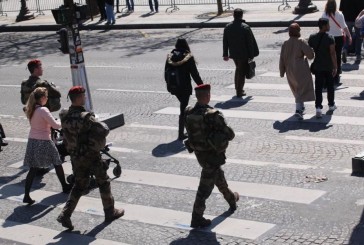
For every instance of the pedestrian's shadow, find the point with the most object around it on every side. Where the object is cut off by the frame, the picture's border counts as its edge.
(357, 235)
(350, 67)
(361, 97)
(203, 236)
(234, 102)
(70, 237)
(312, 124)
(147, 14)
(168, 149)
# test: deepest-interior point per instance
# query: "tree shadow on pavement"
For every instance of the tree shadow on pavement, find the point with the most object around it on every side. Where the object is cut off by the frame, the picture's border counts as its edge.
(168, 149)
(312, 124)
(234, 102)
(357, 235)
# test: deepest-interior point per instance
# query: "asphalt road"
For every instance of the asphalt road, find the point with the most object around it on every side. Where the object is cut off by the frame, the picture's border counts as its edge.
(293, 174)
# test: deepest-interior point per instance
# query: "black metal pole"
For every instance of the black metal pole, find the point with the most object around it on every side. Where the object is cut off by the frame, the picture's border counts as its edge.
(24, 13)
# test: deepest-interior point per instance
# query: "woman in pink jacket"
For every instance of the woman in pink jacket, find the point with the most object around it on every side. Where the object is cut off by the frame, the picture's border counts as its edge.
(41, 151)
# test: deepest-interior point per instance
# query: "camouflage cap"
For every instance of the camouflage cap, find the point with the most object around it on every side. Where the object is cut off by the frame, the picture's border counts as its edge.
(202, 87)
(76, 90)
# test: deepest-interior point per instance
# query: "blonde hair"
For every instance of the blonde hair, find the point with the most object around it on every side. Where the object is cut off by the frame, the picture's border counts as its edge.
(33, 100)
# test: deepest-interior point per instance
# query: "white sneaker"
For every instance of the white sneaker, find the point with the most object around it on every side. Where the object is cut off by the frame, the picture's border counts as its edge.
(318, 113)
(332, 108)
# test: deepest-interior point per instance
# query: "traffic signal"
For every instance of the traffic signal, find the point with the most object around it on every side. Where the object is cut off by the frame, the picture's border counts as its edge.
(63, 40)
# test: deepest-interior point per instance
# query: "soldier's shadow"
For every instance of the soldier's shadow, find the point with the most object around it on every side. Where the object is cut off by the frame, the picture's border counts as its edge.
(168, 149)
(203, 236)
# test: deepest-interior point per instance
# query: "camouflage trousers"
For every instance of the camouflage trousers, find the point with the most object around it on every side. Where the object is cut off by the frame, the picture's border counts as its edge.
(211, 175)
(83, 168)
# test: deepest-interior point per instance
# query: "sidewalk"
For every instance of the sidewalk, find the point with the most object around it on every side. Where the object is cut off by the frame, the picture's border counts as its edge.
(188, 16)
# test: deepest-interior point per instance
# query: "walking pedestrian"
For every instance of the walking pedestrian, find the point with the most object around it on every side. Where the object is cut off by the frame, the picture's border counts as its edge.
(84, 137)
(324, 65)
(27, 86)
(102, 10)
(339, 30)
(208, 137)
(181, 65)
(240, 45)
(130, 5)
(351, 9)
(109, 4)
(156, 4)
(41, 151)
(293, 62)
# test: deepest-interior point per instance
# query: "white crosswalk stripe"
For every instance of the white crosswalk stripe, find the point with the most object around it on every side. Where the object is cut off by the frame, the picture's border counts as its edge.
(277, 116)
(273, 192)
(36, 235)
(150, 215)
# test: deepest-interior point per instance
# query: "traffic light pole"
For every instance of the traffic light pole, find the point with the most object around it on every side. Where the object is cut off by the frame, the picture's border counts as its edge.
(70, 40)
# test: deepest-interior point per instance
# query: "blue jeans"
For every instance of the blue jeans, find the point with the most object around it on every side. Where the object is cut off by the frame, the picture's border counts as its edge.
(130, 4)
(110, 13)
(155, 5)
(324, 78)
(358, 40)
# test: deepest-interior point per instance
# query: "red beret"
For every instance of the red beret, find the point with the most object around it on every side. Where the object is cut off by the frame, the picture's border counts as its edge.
(203, 87)
(76, 90)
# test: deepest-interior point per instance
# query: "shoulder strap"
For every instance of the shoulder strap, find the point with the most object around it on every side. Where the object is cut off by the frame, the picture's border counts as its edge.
(333, 18)
(317, 48)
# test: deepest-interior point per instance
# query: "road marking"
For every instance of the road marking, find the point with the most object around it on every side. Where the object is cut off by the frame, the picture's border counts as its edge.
(137, 125)
(132, 91)
(277, 116)
(280, 86)
(31, 234)
(256, 190)
(278, 100)
(245, 229)
(98, 66)
(329, 140)
(21, 140)
(344, 76)
(10, 86)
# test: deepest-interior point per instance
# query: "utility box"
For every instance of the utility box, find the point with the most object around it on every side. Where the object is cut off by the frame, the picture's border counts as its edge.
(358, 164)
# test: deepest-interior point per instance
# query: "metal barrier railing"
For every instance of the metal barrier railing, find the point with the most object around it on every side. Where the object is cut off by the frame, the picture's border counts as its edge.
(40, 5)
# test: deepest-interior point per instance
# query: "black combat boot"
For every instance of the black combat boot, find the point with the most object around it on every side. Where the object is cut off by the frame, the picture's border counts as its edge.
(65, 221)
(198, 221)
(112, 214)
(233, 205)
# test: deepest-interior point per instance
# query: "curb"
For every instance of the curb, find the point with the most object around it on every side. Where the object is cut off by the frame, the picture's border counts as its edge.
(32, 28)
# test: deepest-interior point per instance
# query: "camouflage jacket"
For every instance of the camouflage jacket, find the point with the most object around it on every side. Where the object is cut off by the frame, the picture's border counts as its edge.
(27, 87)
(83, 135)
(207, 129)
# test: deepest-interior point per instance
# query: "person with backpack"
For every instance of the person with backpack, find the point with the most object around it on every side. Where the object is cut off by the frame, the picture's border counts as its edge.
(34, 81)
(180, 66)
(208, 137)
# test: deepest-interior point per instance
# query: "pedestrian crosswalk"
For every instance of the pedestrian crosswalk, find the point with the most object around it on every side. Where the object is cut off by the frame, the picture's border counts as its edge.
(171, 217)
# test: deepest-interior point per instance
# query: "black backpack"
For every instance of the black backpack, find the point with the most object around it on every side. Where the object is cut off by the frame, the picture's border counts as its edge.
(172, 77)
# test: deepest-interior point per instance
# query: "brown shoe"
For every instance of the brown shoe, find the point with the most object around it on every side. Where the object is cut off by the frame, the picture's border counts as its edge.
(233, 206)
(65, 221)
(115, 214)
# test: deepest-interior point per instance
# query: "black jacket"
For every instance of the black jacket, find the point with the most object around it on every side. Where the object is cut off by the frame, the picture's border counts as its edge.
(239, 41)
(186, 64)
(351, 9)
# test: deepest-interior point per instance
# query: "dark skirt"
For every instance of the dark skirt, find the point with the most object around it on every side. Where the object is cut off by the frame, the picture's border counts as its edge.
(41, 154)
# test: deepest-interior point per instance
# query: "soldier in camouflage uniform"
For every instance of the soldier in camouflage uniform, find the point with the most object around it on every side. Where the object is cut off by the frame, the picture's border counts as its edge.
(84, 137)
(34, 81)
(208, 137)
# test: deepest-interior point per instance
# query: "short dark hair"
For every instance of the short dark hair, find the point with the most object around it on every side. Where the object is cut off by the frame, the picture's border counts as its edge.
(322, 22)
(238, 13)
(33, 64)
